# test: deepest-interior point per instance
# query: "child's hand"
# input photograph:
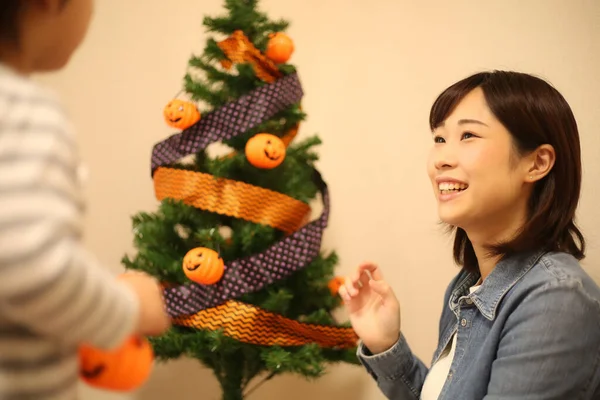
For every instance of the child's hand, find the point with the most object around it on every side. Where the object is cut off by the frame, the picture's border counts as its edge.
(373, 307)
(153, 318)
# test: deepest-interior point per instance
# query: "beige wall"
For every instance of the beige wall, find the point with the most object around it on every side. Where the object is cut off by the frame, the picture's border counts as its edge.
(370, 72)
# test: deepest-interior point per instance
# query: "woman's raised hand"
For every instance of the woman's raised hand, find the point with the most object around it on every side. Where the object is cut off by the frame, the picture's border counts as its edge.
(373, 307)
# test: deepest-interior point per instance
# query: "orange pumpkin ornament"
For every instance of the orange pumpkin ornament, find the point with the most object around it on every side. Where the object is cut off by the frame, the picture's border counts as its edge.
(181, 114)
(265, 151)
(203, 266)
(279, 48)
(335, 284)
(123, 369)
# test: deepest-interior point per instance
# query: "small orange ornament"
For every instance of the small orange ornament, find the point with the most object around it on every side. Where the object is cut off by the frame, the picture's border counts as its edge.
(124, 369)
(279, 48)
(265, 151)
(203, 266)
(181, 114)
(335, 284)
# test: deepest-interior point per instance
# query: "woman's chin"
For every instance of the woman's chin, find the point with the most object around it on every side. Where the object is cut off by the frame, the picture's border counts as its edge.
(452, 219)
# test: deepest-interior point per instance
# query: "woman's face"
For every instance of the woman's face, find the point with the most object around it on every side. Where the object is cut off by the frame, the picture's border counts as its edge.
(478, 179)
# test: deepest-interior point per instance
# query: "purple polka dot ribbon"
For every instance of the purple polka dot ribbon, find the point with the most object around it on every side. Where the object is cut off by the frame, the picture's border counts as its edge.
(282, 259)
(230, 120)
(253, 273)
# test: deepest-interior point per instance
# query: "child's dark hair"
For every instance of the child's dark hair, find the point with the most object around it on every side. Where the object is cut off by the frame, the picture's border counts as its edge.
(10, 15)
(11, 12)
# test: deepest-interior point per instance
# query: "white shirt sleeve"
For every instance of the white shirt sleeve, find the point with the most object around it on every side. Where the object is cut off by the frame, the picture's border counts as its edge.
(48, 281)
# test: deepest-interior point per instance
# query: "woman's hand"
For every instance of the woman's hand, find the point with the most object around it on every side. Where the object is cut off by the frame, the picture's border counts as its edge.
(373, 307)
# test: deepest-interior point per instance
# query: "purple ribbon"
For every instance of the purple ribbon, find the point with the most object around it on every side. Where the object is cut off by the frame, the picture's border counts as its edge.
(230, 120)
(250, 274)
(282, 259)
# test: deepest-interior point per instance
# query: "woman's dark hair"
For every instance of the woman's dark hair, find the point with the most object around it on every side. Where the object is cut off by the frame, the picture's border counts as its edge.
(534, 113)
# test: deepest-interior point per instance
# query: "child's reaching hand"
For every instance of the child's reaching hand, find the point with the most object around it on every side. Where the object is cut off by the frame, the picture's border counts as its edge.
(153, 319)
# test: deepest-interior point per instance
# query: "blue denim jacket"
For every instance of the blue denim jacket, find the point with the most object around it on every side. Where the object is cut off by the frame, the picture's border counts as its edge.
(530, 332)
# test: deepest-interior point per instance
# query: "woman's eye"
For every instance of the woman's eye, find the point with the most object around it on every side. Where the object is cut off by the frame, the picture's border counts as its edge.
(467, 135)
(438, 139)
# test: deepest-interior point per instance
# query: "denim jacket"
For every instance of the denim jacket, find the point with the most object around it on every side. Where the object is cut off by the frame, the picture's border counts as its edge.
(531, 331)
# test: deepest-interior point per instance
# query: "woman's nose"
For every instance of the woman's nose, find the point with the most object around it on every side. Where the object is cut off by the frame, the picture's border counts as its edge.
(444, 157)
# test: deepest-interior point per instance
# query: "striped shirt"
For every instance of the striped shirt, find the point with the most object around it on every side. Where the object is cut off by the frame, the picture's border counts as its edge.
(54, 295)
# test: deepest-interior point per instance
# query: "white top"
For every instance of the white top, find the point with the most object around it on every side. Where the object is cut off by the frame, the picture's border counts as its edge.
(438, 373)
(53, 294)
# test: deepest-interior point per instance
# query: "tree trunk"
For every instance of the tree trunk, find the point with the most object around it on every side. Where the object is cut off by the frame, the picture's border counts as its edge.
(231, 385)
(233, 394)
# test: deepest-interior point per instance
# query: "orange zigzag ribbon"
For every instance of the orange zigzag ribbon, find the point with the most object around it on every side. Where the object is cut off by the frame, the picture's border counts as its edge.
(250, 324)
(228, 197)
(233, 198)
(245, 322)
(239, 49)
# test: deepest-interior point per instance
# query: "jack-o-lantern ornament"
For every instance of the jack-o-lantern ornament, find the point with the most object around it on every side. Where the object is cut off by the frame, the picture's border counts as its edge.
(181, 114)
(335, 284)
(279, 48)
(203, 266)
(123, 369)
(265, 151)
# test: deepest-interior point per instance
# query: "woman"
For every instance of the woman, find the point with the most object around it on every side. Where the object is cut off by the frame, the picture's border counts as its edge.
(521, 320)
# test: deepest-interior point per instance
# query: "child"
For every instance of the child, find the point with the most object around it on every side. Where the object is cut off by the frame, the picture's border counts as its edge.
(53, 295)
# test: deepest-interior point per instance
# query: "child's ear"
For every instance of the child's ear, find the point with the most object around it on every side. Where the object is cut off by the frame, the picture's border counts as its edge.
(540, 161)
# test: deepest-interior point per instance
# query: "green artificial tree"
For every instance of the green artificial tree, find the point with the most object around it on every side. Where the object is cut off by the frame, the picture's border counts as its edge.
(163, 238)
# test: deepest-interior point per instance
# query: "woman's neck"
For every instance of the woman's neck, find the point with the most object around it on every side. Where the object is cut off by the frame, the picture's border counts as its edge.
(494, 231)
(485, 261)
(481, 246)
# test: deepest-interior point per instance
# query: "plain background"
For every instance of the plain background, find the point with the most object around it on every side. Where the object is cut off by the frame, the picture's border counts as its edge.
(370, 70)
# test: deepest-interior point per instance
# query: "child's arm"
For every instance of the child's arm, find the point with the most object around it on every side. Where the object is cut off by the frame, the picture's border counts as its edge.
(48, 283)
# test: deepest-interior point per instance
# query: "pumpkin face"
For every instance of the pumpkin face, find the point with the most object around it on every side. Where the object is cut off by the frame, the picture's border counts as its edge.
(123, 369)
(181, 114)
(265, 151)
(203, 266)
(279, 48)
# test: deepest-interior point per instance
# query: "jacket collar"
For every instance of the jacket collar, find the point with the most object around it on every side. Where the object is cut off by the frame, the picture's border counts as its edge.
(503, 277)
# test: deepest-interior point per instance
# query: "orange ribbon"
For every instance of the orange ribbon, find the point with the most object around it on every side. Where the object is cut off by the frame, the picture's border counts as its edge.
(228, 197)
(239, 49)
(245, 322)
(233, 198)
(250, 324)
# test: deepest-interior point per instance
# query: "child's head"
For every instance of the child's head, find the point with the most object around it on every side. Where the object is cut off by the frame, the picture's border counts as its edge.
(41, 35)
(507, 144)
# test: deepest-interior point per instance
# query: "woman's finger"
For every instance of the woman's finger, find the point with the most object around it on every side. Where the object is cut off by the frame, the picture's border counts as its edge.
(372, 269)
(356, 276)
(383, 289)
(363, 281)
(351, 286)
(343, 293)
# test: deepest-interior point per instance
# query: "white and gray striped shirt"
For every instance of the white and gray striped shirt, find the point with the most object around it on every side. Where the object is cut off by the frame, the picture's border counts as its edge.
(53, 294)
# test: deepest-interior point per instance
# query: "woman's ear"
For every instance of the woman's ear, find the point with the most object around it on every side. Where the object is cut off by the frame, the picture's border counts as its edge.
(540, 162)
